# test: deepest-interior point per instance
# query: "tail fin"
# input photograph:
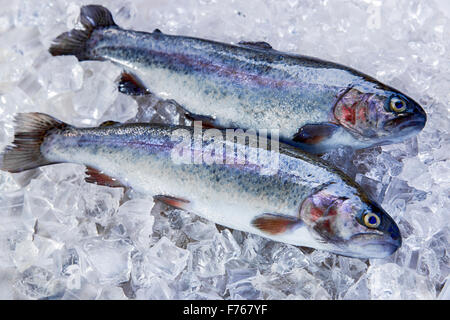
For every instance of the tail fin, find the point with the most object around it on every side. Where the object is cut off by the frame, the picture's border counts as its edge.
(30, 131)
(74, 42)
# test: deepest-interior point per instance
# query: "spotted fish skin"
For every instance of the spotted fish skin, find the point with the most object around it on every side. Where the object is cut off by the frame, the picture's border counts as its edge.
(317, 105)
(300, 200)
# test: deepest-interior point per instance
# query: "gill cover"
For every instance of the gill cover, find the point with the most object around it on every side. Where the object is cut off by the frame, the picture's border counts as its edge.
(350, 221)
(378, 116)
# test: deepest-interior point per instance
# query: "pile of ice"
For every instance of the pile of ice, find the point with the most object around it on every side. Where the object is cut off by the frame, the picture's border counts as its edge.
(61, 238)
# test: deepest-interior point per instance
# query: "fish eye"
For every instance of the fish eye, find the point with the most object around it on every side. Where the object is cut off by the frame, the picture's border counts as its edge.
(371, 220)
(397, 105)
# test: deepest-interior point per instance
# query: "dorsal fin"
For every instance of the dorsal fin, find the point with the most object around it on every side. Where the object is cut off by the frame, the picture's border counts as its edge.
(95, 16)
(256, 44)
(109, 123)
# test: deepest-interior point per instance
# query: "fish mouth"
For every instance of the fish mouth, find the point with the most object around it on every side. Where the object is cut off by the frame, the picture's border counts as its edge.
(405, 124)
(375, 245)
(378, 250)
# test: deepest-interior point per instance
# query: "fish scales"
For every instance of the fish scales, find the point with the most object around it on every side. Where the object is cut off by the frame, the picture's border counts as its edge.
(233, 84)
(138, 152)
(301, 200)
(316, 105)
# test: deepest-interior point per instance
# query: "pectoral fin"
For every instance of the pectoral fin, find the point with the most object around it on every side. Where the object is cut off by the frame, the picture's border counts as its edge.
(178, 203)
(275, 223)
(130, 84)
(315, 133)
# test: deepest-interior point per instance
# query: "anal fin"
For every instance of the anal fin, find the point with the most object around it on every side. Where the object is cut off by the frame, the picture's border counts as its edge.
(275, 223)
(130, 84)
(205, 122)
(173, 201)
(97, 177)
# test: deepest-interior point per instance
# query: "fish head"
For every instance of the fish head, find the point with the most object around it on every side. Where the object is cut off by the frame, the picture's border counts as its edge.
(349, 224)
(377, 116)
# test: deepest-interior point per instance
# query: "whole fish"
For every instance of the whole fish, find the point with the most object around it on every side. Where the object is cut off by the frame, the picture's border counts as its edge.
(303, 201)
(316, 105)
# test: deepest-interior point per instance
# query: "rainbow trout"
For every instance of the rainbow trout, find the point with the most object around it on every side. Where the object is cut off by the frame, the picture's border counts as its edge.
(316, 105)
(301, 201)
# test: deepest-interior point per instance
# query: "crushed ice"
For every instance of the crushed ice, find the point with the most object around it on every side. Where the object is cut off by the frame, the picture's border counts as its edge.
(61, 238)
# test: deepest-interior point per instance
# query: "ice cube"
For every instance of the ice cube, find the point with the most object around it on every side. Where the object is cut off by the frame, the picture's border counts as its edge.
(187, 284)
(340, 283)
(416, 173)
(440, 172)
(140, 273)
(205, 260)
(428, 265)
(244, 291)
(398, 194)
(200, 230)
(167, 223)
(375, 189)
(445, 293)
(73, 274)
(226, 247)
(203, 295)
(38, 283)
(166, 259)
(146, 109)
(39, 251)
(82, 291)
(250, 247)
(167, 111)
(6, 283)
(109, 261)
(392, 282)
(99, 90)
(25, 255)
(358, 291)
(112, 293)
(240, 284)
(31, 86)
(355, 268)
(121, 110)
(126, 14)
(287, 258)
(217, 284)
(135, 216)
(299, 282)
(158, 289)
(100, 202)
(61, 74)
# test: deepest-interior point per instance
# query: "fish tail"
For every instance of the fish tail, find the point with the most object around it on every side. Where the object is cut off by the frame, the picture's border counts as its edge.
(75, 41)
(29, 132)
